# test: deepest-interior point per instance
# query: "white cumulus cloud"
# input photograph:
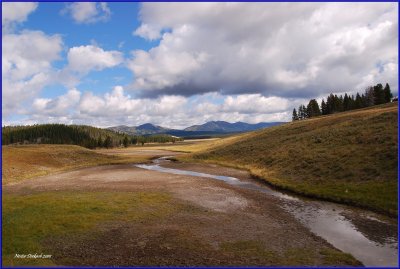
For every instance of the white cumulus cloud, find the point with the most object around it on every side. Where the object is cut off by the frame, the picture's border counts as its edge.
(14, 12)
(27, 66)
(57, 107)
(255, 103)
(149, 32)
(87, 12)
(83, 59)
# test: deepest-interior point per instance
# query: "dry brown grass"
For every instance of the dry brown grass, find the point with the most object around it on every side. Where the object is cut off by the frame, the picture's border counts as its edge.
(27, 161)
(195, 145)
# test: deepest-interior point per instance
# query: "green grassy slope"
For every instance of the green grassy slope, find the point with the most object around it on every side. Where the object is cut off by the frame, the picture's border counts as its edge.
(347, 157)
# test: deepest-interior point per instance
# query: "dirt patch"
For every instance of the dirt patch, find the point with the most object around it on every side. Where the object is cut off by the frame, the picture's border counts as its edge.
(214, 198)
(201, 191)
(133, 246)
(193, 237)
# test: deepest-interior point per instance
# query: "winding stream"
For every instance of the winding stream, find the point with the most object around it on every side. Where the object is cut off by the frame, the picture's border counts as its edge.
(371, 239)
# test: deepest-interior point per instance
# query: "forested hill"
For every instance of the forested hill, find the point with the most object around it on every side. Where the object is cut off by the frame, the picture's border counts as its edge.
(82, 135)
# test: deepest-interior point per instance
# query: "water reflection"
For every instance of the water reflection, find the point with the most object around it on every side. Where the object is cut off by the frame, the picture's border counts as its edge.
(370, 240)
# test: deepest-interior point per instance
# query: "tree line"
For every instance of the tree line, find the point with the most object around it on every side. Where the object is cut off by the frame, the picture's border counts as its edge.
(374, 95)
(81, 135)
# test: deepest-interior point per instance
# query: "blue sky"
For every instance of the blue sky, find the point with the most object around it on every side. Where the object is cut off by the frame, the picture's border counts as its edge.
(52, 19)
(114, 34)
(179, 64)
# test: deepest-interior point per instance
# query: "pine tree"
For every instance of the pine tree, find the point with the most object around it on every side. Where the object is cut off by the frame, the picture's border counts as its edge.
(301, 114)
(340, 104)
(387, 93)
(99, 142)
(351, 102)
(304, 109)
(379, 95)
(346, 102)
(358, 103)
(126, 142)
(294, 116)
(324, 108)
(107, 142)
(330, 104)
(369, 97)
(313, 109)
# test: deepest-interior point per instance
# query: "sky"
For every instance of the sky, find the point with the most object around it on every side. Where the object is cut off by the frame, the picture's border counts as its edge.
(180, 64)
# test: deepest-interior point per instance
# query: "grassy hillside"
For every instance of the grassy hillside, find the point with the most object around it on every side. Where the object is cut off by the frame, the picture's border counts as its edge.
(347, 157)
(27, 161)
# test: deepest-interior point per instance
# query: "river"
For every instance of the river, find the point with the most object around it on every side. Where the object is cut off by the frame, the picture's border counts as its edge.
(369, 237)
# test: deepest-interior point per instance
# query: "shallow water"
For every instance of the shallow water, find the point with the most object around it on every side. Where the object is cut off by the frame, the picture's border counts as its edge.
(363, 234)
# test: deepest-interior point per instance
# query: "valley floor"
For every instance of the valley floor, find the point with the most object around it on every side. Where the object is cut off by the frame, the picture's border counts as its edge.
(122, 215)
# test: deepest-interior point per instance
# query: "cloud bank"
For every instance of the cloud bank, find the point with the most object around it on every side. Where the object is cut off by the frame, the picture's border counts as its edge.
(275, 49)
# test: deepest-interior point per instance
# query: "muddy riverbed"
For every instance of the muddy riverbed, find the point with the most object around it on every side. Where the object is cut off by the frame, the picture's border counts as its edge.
(224, 217)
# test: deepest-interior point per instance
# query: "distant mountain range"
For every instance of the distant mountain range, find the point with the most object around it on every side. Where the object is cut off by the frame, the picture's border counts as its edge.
(226, 127)
(144, 129)
(207, 129)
